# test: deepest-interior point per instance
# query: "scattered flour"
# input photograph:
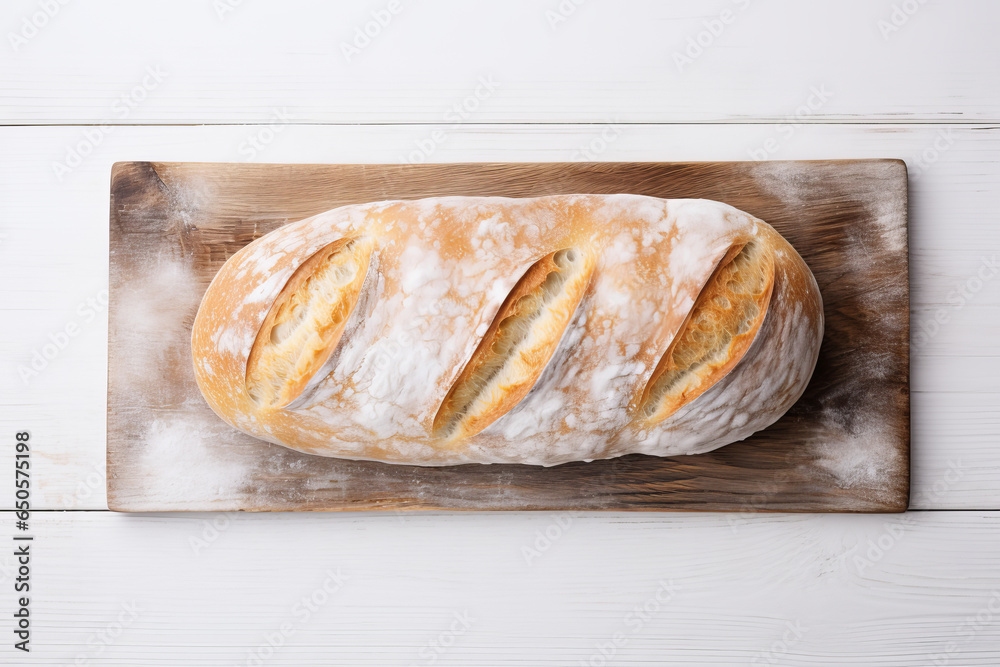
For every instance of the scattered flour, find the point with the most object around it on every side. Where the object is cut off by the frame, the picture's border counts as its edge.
(185, 462)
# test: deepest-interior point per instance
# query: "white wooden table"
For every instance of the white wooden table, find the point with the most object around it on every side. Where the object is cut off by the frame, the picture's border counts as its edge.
(86, 84)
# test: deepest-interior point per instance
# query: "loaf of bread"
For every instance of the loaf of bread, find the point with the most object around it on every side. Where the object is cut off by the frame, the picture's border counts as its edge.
(493, 330)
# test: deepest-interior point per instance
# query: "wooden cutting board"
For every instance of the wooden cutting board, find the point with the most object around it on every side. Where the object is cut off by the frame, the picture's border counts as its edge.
(843, 447)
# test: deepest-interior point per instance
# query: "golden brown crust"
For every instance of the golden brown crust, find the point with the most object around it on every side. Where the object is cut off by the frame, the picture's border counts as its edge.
(518, 344)
(306, 322)
(414, 364)
(717, 333)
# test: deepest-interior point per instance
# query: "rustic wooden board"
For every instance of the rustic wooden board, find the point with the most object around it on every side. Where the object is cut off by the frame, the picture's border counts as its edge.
(843, 447)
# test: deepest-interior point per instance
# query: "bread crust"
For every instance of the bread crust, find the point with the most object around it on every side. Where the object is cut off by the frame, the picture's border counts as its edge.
(540, 315)
(278, 372)
(723, 314)
(454, 302)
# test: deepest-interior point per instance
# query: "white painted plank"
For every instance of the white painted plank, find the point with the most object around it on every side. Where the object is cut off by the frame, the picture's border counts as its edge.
(474, 589)
(231, 61)
(53, 251)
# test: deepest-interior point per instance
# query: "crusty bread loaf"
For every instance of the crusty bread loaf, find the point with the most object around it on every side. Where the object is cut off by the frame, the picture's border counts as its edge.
(494, 330)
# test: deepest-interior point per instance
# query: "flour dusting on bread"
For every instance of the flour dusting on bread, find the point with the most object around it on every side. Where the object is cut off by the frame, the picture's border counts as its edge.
(494, 330)
(719, 329)
(515, 349)
(306, 322)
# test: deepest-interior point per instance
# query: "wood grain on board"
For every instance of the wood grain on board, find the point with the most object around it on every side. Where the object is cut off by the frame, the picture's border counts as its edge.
(843, 447)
